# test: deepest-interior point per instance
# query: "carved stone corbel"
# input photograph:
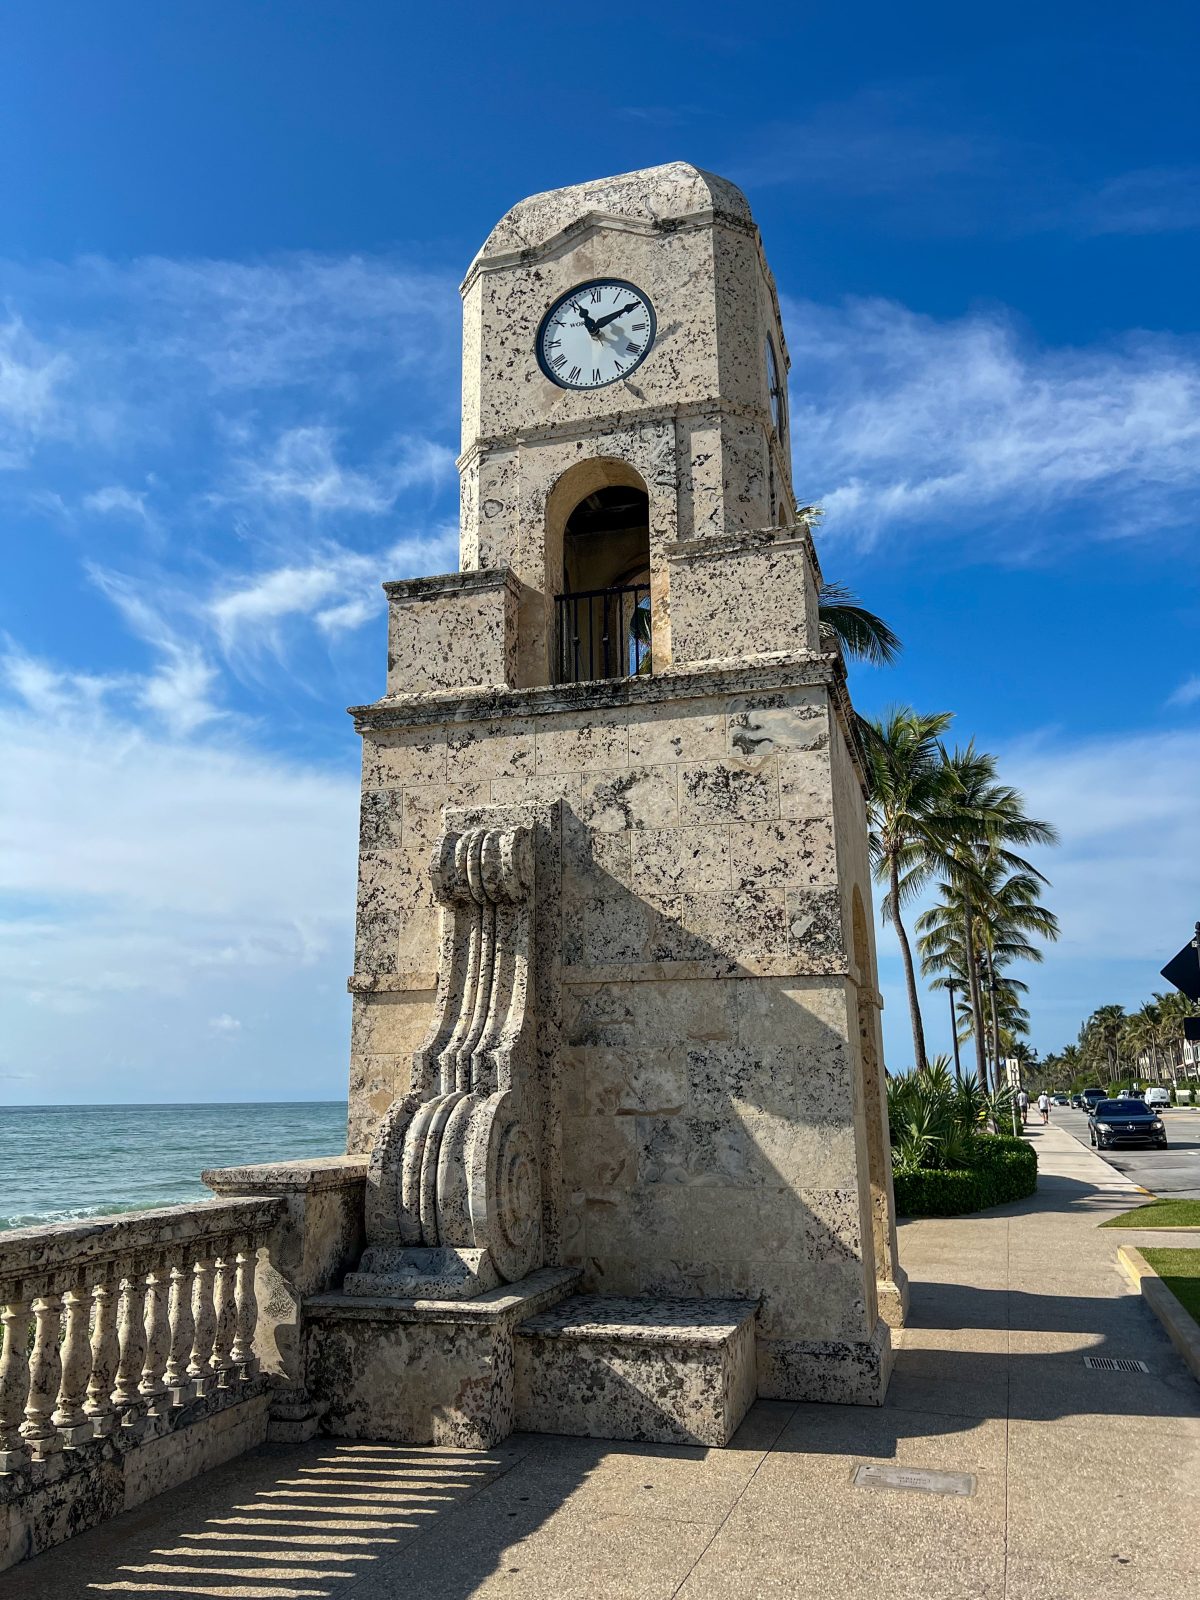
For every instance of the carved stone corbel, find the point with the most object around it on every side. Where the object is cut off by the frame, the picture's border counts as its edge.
(454, 1199)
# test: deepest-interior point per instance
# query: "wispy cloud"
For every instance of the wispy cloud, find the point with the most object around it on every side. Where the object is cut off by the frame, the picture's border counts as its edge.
(1187, 694)
(917, 421)
(116, 500)
(31, 381)
(302, 465)
(337, 589)
(1153, 200)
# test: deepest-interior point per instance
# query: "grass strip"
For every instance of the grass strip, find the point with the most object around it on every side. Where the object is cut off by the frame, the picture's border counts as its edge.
(1159, 1214)
(1180, 1271)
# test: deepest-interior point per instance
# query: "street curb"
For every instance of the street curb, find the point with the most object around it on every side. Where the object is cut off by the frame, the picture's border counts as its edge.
(1183, 1330)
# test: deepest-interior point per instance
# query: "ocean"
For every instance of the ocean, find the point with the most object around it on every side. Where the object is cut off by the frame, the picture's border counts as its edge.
(62, 1162)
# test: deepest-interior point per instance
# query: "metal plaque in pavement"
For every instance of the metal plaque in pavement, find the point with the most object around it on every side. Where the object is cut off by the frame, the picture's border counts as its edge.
(919, 1479)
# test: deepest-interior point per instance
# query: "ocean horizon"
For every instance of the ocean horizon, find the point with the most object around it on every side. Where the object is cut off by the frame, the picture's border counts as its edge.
(72, 1162)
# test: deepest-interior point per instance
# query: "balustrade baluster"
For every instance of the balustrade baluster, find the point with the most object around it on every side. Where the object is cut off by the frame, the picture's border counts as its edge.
(183, 1330)
(14, 1383)
(106, 1355)
(45, 1375)
(152, 1388)
(225, 1312)
(70, 1417)
(131, 1339)
(246, 1319)
(204, 1320)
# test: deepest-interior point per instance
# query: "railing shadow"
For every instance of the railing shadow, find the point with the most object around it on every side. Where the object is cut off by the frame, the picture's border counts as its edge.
(319, 1521)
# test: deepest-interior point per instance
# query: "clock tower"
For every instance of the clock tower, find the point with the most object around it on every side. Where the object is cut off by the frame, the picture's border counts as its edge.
(616, 1049)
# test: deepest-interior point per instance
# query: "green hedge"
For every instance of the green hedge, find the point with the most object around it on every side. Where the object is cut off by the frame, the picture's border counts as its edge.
(1005, 1169)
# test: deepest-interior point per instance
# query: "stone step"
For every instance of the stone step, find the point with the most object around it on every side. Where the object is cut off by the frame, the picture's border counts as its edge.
(665, 1370)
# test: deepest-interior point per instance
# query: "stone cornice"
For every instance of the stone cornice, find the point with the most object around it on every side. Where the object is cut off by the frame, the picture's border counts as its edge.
(400, 590)
(581, 228)
(287, 1177)
(738, 675)
(598, 427)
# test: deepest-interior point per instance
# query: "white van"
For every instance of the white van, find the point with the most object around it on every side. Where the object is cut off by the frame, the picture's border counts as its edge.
(1158, 1097)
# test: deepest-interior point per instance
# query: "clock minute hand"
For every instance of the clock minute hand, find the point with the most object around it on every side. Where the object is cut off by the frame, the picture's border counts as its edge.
(603, 322)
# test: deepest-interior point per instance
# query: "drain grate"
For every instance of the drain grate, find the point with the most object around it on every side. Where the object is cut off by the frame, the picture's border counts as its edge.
(1114, 1364)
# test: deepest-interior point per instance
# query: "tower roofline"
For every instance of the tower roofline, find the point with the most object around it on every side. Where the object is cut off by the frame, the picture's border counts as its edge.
(651, 199)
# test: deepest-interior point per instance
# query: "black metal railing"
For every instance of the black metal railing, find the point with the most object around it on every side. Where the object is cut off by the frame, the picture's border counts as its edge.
(603, 633)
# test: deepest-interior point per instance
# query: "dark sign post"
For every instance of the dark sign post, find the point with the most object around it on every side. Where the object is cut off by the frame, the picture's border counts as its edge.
(1183, 970)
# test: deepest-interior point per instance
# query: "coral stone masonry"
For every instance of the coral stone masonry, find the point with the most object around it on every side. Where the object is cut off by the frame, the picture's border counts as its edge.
(654, 1056)
(618, 1154)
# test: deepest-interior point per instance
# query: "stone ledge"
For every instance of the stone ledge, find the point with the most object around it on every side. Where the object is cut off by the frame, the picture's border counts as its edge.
(666, 1370)
(286, 1177)
(642, 1319)
(511, 1301)
(30, 1252)
(740, 541)
(400, 591)
(417, 1371)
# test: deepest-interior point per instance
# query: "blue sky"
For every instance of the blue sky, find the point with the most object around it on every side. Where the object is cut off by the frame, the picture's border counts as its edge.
(231, 236)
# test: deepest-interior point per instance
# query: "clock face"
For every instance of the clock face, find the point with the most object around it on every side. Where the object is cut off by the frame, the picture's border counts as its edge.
(595, 334)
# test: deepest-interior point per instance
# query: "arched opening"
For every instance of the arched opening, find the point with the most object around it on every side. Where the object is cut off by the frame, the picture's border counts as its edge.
(602, 614)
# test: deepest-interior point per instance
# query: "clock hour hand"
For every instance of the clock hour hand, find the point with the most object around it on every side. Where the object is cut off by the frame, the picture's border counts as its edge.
(603, 322)
(587, 321)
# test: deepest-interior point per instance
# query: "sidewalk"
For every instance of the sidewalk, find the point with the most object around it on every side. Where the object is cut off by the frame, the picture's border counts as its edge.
(1088, 1484)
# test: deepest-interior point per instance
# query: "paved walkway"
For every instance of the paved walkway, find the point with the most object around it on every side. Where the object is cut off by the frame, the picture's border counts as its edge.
(1088, 1486)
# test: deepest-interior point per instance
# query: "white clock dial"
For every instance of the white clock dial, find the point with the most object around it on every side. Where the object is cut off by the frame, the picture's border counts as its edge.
(595, 334)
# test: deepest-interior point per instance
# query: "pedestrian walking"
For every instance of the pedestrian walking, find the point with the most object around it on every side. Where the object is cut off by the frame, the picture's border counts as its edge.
(1044, 1106)
(1023, 1106)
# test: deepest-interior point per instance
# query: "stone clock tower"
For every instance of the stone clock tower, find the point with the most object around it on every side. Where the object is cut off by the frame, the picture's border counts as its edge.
(616, 1050)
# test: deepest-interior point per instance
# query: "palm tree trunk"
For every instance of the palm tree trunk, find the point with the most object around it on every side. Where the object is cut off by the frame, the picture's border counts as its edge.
(973, 990)
(910, 976)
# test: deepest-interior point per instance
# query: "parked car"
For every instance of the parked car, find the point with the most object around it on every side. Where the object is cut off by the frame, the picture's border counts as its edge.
(1079, 1102)
(1092, 1097)
(1132, 1121)
(1158, 1097)
(1132, 1094)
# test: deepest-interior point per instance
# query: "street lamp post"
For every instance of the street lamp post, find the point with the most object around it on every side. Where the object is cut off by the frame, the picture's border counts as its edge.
(952, 984)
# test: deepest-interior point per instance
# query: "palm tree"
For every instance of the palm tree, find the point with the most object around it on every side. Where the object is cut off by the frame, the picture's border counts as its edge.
(908, 785)
(986, 817)
(1005, 914)
(1100, 1037)
(1072, 1063)
(861, 633)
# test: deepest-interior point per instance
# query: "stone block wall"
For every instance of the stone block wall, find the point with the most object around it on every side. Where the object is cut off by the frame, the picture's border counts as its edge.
(710, 1111)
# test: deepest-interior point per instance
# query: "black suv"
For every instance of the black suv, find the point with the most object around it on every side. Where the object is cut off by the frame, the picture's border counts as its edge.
(1130, 1121)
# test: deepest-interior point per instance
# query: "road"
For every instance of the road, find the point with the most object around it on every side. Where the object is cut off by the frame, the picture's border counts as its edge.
(1173, 1171)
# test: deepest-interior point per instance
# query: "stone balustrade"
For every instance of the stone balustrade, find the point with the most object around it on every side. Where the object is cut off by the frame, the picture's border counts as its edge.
(113, 1328)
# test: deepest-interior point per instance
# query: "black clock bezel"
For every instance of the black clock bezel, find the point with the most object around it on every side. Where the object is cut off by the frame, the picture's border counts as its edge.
(593, 388)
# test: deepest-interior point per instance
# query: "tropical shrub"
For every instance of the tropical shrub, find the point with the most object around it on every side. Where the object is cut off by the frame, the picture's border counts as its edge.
(1005, 1169)
(944, 1162)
